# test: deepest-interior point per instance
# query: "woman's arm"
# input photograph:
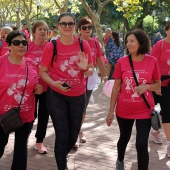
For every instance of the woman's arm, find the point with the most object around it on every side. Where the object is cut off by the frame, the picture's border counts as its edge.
(156, 85)
(100, 65)
(113, 101)
(45, 76)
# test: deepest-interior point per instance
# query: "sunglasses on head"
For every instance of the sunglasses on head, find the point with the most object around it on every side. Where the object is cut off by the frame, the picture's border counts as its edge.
(85, 27)
(64, 24)
(18, 42)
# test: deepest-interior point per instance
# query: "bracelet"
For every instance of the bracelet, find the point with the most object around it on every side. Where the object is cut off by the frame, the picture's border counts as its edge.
(106, 77)
(86, 69)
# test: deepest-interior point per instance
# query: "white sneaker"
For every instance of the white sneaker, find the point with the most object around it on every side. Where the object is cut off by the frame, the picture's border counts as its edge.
(40, 148)
(156, 137)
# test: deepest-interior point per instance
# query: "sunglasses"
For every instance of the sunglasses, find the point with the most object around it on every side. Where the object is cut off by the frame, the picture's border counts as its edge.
(18, 42)
(85, 27)
(64, 24)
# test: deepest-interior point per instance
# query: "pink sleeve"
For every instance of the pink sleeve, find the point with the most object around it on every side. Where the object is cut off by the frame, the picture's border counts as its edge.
(156, 71)
(47, 54)
(99, 51)
(117, 74)
(156, 50)
(87, 51)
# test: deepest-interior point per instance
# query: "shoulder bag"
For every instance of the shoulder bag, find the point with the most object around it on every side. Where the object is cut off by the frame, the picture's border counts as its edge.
(11, 120)
(155, 121)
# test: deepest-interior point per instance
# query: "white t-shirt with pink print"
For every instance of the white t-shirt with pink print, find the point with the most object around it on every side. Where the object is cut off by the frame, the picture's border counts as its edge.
(12, 82)
(65, 66)
(129, 104)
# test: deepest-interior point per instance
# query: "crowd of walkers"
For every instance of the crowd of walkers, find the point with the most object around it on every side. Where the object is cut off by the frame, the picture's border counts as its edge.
(59, 70)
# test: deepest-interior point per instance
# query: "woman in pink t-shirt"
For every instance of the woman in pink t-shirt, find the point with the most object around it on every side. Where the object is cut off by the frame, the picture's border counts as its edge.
(161, 50)
(35, 49)
(3, 45)
(13, 75)
(85, 29)
(67, 86)
(126, 97)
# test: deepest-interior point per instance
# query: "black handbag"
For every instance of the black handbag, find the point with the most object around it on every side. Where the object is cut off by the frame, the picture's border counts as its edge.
(155, 121)
(11, 120)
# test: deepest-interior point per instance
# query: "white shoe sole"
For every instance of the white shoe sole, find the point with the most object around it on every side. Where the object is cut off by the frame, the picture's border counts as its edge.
(35, 147)
(152, 138)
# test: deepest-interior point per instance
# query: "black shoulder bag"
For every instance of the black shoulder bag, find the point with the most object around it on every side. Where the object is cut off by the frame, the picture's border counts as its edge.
(155, 121)
(11, 121)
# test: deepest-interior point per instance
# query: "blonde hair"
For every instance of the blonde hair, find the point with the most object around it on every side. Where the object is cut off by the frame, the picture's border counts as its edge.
(5, 31)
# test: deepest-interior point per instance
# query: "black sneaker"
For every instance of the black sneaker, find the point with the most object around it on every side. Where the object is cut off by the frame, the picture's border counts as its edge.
(120, 165)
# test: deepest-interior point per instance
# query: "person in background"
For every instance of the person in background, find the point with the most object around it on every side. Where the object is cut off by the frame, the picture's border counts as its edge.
(115, 51)
(157, 38)
(12, 82)
(55, 35)
(161, 50)
(35, 49)
(107, 39)
(126, 95)
(3, 45)
(14, 28)
(66, 85)
(26, 32)
(85, 29)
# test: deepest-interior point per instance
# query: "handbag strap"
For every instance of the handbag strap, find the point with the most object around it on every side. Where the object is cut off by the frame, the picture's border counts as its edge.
(24, 86)
(137, 83)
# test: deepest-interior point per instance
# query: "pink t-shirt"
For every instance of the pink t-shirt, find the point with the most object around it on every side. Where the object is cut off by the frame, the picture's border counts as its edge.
(95, 50)
(35, 53)
(27, 34)
(105, 39)
(12, 82)
(64, 67)
(129, 104)
(4, 49)
(161, 50)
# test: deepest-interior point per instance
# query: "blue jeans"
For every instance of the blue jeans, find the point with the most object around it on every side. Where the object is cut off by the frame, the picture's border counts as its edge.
(20, 146)
(142, 134)
(66, 113)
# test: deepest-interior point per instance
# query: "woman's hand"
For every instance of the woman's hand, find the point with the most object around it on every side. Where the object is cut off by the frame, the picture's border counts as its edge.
(38, 89)
(141, 88)
(109, 119)
(83, 60)
(58, 85)
(158, 92)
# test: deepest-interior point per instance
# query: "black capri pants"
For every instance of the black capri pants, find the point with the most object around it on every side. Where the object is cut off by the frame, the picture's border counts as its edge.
(165, 104)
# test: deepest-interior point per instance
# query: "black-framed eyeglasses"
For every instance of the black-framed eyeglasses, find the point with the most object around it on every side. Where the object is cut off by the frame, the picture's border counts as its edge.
(18, 42)
(85, 27)
(64, 24)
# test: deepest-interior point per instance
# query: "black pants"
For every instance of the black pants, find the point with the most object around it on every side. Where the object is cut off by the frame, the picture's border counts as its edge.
(42, 113)
(66, 113)
(20, 146)
(142, 134)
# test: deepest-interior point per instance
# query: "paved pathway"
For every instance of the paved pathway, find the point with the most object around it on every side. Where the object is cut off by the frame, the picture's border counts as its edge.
(98, 153)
